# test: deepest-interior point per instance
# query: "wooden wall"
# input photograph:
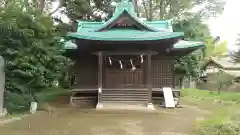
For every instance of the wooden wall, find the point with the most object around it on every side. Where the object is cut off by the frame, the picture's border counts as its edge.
(86, 70)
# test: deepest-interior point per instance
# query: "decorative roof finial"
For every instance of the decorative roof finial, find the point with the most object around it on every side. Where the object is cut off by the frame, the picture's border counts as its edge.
(126, 5)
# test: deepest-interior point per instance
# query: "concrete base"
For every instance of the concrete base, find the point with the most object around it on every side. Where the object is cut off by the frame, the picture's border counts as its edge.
(99, 106)
(3, 112)
(150, 106)
(122, 106)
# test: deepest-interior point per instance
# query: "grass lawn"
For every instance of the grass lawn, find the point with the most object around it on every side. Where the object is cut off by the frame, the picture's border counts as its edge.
(224, 108)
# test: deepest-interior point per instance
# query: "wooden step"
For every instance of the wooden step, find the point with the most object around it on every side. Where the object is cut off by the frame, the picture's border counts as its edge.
(126, 89)
(125, 92)
(134, 97)
(83, 98)
(125, 96)
(124, 99)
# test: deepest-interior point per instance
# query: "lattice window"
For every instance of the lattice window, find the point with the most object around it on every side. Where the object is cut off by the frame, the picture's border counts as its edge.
(162, 71)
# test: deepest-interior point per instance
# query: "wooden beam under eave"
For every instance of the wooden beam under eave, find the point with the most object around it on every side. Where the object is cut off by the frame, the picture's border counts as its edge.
(123, 52)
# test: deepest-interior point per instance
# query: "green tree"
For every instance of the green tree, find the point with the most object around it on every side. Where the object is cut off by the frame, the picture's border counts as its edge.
(187, 66)
(220, 49)
(194, 29)
(31, 47)
(168, 9)
(223, 80)
(150, 9)
(236, 55)
(84, 9)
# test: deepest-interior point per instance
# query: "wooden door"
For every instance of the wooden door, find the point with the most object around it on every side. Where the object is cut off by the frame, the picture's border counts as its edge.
(124, 78)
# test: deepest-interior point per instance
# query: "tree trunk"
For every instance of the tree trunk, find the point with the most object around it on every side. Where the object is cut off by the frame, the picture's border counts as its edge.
(220, 87)
(41, 5)
(145, 8)
(150, 10)
(162, 9)
(74, 26)
(135, 4)
(182, 82)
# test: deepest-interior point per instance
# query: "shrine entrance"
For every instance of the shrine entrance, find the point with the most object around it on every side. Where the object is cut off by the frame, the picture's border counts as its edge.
(124, 72)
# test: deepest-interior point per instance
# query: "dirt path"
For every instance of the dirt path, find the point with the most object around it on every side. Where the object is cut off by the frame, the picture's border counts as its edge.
(72, 121)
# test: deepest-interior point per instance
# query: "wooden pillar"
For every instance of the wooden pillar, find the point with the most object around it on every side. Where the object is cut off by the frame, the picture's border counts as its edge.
(149, 78)
(149, 82)
(173, 75)
(100, 77)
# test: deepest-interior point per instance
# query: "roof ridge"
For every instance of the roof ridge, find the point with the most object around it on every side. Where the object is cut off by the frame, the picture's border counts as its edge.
(131, 14)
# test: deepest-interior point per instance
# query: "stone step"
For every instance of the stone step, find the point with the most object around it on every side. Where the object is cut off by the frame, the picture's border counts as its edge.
(127, 102)
(124, 106)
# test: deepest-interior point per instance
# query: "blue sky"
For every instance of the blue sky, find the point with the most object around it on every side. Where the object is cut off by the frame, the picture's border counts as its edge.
(228, 24)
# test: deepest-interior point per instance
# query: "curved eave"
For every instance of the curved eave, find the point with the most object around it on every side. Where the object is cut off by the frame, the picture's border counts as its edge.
(161, 36)
(70, 46)
(132, 15)
(185, 50)
(188, 48)
(187, 44)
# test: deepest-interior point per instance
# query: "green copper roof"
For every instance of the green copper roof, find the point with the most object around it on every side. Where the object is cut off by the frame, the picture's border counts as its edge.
(126, 9)
(164, 26)
(186, 44)
(151, 30)
(144, 31)
(124, 5)
(125, 35)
